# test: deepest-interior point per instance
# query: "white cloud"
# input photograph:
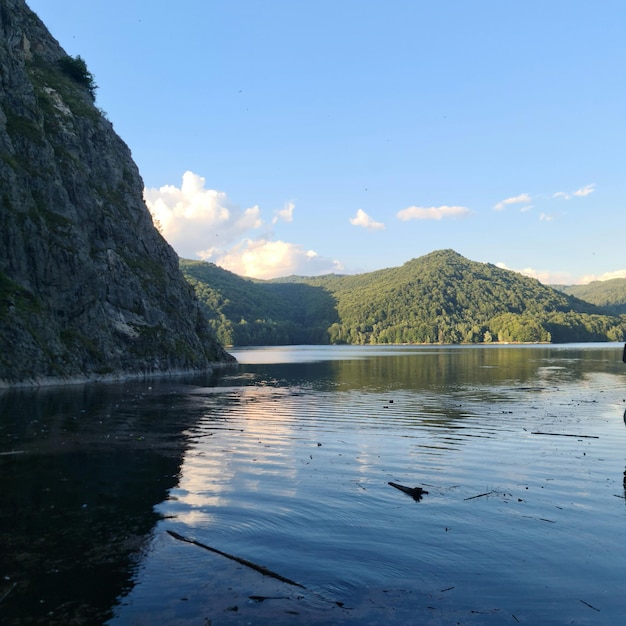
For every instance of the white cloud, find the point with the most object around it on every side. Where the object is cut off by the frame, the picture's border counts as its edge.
(194, 219)
(544, 217)
(588, 278)
(285, 214)
(270, 259)
(585, 191)
(579, 193)
(523, 198)
(204, 223)
(547, 277)
(365, 221)
(431, 213)
(551, 277)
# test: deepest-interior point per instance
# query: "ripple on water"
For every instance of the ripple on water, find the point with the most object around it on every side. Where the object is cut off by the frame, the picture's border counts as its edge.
(524, 481)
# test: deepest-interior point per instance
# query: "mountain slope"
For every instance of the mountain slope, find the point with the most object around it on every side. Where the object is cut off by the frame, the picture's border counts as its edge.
(609, 294)
(243, 311)
(438, 298)
(88, 287)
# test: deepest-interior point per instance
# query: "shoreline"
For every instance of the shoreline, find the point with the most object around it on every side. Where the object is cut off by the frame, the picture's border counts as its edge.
(121, 377)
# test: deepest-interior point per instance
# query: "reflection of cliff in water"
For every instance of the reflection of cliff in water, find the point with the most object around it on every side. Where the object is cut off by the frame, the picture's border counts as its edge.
(81, 470)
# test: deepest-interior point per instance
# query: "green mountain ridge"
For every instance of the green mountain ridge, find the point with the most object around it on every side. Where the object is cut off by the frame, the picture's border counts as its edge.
(609, 294)
(441, 297)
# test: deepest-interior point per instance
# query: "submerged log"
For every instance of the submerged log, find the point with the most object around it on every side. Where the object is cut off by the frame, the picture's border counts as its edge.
(415, 492)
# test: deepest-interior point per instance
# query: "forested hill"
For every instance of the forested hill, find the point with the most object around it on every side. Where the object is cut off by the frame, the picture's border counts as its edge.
(610, 294)
(441, 297)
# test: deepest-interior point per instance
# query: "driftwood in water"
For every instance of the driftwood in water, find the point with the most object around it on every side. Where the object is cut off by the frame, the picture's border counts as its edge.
(7, 592)
(259, 568)
(590, 606)
(415, 492)
(566, 435)
(480, 495)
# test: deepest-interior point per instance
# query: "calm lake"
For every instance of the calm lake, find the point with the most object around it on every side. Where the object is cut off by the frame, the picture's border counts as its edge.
(153, 502)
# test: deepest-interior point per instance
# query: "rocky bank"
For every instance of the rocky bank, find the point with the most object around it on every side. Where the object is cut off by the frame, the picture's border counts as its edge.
(88, 287)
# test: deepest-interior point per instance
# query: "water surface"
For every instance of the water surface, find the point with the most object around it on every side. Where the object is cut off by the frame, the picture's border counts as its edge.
(285, 460)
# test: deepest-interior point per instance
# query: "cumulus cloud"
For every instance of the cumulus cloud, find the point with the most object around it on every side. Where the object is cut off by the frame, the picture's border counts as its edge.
(588, 278)
(194, 219)
(363, 220)
(270, 259)
(544, 217)
(551, 277)
(431, 213)
(547, 277)
(285, 214)
(579, 193)
(204, 223)
(523, 198)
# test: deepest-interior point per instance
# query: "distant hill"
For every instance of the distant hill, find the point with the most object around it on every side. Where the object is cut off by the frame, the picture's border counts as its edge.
(609, 294)
(441, 297)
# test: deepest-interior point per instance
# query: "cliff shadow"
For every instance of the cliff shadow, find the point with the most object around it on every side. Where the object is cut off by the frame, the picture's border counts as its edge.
(289, 314)
(81, 470)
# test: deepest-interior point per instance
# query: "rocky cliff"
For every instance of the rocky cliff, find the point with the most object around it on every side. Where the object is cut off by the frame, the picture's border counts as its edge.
(88, 287)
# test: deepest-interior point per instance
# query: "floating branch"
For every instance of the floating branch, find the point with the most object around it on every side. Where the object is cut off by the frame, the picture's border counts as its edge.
(7, 592)
(541, 519)
(566, 435)
(415, 492)
(480, 495)
(590, 606)
(259, 568)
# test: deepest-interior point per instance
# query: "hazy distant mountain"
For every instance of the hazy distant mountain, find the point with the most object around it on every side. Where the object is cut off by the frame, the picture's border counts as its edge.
(441, 297)
(610, 294)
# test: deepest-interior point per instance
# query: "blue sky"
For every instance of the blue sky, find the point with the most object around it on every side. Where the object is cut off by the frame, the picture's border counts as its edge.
(314, 136)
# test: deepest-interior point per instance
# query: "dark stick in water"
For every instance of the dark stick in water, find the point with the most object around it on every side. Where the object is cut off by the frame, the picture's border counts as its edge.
(415, 492)
(259, 568)
(566, 435)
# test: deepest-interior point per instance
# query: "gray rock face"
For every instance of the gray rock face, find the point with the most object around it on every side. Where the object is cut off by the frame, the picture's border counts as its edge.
(88, 287)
